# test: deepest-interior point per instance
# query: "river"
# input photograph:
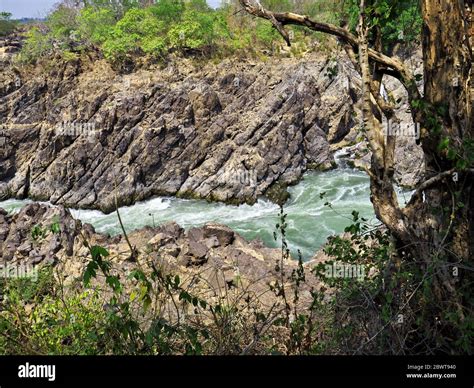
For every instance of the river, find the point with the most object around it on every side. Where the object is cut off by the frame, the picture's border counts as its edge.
(310, 222)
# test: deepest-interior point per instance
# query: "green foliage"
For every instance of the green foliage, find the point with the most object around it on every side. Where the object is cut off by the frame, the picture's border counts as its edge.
(94, 25)
(39, 233)
(399, 20)
(123, 30)
(117, 7)
(7, 26)
(196, 30)
(37, 45)
(266, 34)
(5, 15)
(169, 11)
(278, 5)
(406, 27)
(138, 30)
(34, 316)
(62, 22)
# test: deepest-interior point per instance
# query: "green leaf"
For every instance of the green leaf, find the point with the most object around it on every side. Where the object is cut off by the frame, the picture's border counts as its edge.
(114, 282)
(98, 252)
(443, 144)
(90, 272)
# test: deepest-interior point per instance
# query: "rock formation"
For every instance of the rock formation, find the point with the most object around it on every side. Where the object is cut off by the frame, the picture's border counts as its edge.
(79, 134)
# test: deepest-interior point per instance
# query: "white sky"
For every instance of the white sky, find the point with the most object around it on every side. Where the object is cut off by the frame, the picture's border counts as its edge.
(40, 8)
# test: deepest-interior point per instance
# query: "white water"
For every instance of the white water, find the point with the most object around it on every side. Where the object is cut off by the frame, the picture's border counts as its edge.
(310, 222)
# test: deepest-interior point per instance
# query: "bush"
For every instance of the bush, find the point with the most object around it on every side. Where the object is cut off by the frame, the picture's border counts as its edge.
(168, 11)
(37, 44)
(196, 30)
(266, 34)
(62, 22)
(117, 7)
(139, 29)
(95, 25)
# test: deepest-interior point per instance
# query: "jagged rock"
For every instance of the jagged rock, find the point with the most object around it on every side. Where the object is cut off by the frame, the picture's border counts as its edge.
(212, 242)
(225, 132)
(25, 248)
(223, 234)
(160, 239)
(29, 233)
(193, 253)
(172, 250)
(195, 234)
(172, 229)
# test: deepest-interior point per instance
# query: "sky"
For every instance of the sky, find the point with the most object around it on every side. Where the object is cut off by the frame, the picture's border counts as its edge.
(40, 8)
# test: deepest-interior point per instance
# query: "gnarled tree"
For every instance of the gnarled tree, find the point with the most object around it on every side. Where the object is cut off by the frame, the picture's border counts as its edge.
(436, 228)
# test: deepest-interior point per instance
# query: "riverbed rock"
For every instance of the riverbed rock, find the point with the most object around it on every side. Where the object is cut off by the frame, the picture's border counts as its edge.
(193, 253)
(223, 234)
(38, 233)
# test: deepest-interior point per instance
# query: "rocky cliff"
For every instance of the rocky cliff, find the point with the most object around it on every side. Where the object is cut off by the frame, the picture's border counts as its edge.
(79, 134)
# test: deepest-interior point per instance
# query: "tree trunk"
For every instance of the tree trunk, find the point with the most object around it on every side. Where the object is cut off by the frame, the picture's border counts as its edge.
(447, 59)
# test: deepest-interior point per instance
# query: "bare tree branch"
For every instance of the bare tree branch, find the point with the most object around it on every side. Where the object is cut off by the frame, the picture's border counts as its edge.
(280, 19)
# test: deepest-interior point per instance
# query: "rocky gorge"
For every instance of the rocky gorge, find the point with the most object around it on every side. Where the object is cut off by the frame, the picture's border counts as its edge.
(79, 134)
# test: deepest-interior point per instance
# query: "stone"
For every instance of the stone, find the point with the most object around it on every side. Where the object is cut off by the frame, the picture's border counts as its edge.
(224, 235)
(160, 239)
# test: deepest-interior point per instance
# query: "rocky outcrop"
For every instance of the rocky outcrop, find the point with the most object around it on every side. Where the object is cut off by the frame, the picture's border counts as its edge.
(43, 234)
(79, 134)
(23, 236)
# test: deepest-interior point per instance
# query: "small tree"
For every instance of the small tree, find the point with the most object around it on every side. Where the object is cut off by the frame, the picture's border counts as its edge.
(6, 24)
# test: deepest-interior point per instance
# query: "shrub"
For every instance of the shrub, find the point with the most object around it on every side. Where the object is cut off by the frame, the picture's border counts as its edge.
(37, 44)
(266, 34)
(168, 10)
(196, 30)
(117, 7)
(62, 22)
(138, 30)
(7, 26)
(95, 25)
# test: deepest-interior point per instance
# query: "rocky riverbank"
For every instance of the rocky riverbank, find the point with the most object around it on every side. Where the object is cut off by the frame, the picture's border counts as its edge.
(42, 234)
(80, 134)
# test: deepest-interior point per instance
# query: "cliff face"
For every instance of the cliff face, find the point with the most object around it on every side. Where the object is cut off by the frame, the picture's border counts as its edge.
(77, 133)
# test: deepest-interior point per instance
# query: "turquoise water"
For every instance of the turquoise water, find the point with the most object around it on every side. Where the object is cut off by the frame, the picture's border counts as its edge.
(310, 222)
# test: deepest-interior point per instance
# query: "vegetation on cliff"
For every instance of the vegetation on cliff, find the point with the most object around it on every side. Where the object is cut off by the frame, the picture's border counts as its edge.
(7, 26)
(125, 30)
